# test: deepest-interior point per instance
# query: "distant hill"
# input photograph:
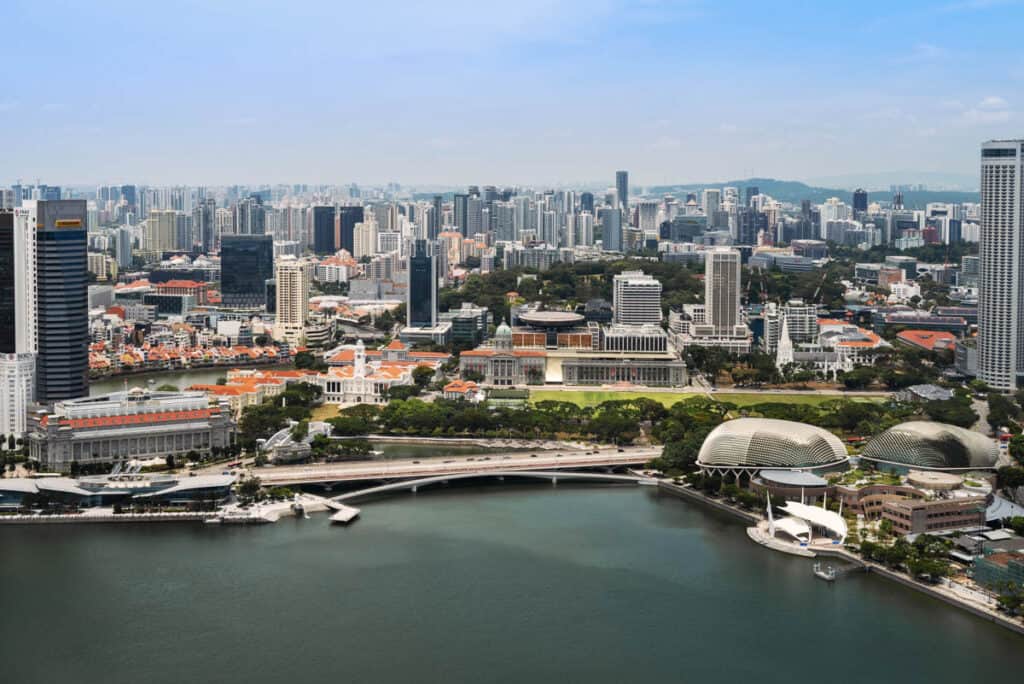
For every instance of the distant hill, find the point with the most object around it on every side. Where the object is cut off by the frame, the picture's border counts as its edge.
(795, 192)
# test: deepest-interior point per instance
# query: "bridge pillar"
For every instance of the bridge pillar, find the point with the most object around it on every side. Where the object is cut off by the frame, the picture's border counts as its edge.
(554, 481)
(501, 478)
(414, 489)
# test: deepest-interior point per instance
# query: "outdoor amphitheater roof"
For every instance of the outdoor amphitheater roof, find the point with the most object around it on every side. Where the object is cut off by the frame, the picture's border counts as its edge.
(770, 443)
(926, 444)
(551, 319)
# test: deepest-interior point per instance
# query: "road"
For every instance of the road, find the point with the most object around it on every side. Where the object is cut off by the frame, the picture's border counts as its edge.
(398, 469)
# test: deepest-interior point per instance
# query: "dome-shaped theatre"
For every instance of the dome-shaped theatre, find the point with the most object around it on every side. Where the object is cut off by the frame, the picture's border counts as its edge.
(748, 444)
(936, 446)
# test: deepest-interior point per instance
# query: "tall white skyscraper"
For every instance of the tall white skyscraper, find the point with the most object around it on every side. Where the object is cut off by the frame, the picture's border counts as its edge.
(722, 290)
(585, 229)
(712, 202)
(637, 298)
(364, 239)
(292, 276)
(18, 343)
(1000, 296)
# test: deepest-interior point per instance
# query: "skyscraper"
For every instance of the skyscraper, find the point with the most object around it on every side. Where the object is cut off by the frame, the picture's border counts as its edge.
(622, 189)
(860, 201)
(1000, 298)
(587, 202)
(752, 191)
(291, 278)
(246, 263)
(323, 230)
(17, 310)
(611, 229)
(722, 289)
(421, 309)
(62, 304)
(636, 298)
(460, 210)
(348, 217)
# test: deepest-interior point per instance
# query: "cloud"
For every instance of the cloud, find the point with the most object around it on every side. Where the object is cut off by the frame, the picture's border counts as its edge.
(926, 52)
(976, 5)
(989, 110)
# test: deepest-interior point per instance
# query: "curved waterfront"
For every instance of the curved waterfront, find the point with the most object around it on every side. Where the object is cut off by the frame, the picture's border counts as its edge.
(497, 584)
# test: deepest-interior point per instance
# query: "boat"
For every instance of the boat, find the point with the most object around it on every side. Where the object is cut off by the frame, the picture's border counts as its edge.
(828, 573)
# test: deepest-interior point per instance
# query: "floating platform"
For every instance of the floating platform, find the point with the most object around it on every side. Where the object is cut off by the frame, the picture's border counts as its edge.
(345, 515)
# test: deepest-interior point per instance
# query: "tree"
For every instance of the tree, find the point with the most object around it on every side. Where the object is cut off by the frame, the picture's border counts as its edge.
(402, 391)
(300, 430)
(472, 376)
(956, 411)
(170, 461)
(306, 360)
(12, 442)
(422, 375)
(1017, 448)
(167, 387)
(249, 487)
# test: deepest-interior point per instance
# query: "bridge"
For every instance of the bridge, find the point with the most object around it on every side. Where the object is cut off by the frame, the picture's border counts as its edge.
(328, 473)
(553, 476)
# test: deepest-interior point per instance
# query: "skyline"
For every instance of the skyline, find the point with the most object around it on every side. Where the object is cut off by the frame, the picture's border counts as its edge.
(555, 93)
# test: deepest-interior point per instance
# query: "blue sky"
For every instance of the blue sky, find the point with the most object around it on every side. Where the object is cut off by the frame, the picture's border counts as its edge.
(457, 91)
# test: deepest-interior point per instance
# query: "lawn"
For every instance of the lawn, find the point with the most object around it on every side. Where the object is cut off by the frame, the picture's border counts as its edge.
(325, 411)
(593, 398)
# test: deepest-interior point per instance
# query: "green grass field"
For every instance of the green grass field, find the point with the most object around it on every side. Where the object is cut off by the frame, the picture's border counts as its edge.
(593, 398)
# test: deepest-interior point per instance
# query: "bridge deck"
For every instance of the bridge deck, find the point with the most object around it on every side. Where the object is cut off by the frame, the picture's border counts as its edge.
(556, 475)
(397, 470)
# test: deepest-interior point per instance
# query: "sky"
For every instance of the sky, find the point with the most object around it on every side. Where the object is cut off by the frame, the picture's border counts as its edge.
(456, 92)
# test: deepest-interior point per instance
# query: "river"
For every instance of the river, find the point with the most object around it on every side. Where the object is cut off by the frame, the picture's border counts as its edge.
(522, 583)
(180, 379)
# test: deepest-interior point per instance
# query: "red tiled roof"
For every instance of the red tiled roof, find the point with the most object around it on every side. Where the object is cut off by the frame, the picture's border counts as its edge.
(927, 339)
(139, 418)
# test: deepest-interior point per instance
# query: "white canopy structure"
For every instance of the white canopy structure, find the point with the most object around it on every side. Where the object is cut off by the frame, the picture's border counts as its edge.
(794, 527)
(813, 516)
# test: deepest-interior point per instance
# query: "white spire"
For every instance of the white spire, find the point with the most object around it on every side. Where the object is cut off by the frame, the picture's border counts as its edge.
(784, 353)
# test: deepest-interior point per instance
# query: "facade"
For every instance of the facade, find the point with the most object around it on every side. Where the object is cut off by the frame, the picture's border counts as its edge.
(722, 290)
(637, 298)
(929, 517)
(502, 364)
(622, 189)
(62, 304)
(1000, 285)
(246, 264)
(931, 446)
(17, 308)
(122, 426)
(344, 236)
(292, 293)
(421, 308)
(746, 445)
(323, 231)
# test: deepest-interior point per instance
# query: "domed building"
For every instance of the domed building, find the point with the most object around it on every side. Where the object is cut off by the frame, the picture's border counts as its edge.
(932, 446)
(747, 445)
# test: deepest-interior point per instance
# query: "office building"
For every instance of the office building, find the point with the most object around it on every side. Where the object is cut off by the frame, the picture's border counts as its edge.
(291, 277)
(722, 290)
(346, 222)
(323, 230)
(611, 229)
(62, 306)
(860, 201)
(637, 298)
(246, 263)
(160, 233)
(421, 308)
(17, 307)
(622, 189)
(1000, 301)
(364, 239)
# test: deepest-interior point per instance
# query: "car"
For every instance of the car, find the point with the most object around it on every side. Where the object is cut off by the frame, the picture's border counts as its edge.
(621, 450)
(533, 455)
(505, 458)
(416, 462)
(472, 459)
(450, 461)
